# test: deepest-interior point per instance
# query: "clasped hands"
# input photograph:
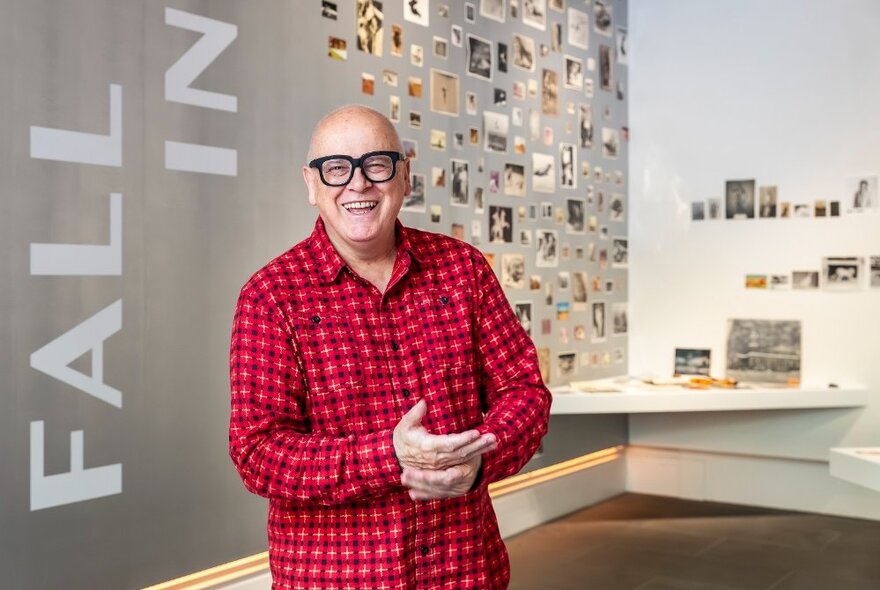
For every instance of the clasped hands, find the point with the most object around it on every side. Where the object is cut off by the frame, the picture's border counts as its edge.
(438, 465)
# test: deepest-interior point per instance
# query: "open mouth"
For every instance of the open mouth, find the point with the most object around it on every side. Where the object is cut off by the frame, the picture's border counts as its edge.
(360, 206)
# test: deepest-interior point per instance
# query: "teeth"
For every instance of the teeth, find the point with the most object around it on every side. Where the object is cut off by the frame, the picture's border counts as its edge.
(360, 205)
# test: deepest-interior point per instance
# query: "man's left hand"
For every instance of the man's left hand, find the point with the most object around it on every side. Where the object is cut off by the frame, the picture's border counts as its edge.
(430, 484)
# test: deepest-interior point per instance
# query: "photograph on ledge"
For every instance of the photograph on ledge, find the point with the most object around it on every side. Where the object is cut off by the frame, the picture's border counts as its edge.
(764, 351)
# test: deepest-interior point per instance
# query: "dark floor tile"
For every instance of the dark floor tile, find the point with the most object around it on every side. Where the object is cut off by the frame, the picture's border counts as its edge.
(664, 583)
(821, 581)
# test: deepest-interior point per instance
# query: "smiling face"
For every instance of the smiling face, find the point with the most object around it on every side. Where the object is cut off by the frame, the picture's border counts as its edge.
(359, 217)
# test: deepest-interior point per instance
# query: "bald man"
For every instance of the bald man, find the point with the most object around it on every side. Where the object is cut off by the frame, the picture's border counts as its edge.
(380, 382)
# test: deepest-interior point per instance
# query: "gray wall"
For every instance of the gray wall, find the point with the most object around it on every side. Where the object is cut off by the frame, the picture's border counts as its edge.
(155, 496)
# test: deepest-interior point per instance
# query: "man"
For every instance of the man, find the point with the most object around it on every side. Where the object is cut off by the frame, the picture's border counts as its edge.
(380, 382)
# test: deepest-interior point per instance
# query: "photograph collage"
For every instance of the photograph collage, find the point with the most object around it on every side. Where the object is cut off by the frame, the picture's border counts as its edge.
(517, 145)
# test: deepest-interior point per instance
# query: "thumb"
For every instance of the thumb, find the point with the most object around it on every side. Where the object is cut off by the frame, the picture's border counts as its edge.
(413, 418)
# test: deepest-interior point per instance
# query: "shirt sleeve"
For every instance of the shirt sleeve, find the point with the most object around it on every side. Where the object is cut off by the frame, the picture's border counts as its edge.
(269, 439)
(516, 400)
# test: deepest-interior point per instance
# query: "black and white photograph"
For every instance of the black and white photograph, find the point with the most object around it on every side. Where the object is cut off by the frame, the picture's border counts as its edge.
(444, 92)
(458, 187)
(417, 55)
(779, 282)
(574, 73)
(502, 57)
(500, 225)
(767, 201)
(597, 332)
(525, 238)
(550, 92)
(543, 173)
(693, 361)
(698, 211)
(579, 289)
(862, 194)
(441, 47)
(556, 37)
(602, 18)
(534, 13)
(495, 131)
(514, 180)
(523, 311)
(513, 271)
(575, 221)
(415, 119)
(557, 5)
(764, 351)
(500, 97)
(875, 271)
(524, 52)
(394, 108)
(610, 143)
(566, 365)
(456, 35)
(479, 201)
(369, 26)
(438, 140)
(622, 47)
(619, 252)
(842, 273)
(805, 280)
(416, 11)
(616, 210)
(493, 9)
(546, 248)
(470, 12)
(578, 29)
(618, 319)
(396, 41)
(585, 124)
(479, 57)
(606, 78)
(329, 10)
(436, 213)
(567, 165)
(713, 208)
(739, 199)
(415, 201)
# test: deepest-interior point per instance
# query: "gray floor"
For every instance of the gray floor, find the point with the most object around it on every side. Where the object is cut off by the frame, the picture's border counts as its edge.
(639, 542)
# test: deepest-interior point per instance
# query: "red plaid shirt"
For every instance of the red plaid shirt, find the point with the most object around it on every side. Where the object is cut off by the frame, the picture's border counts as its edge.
(323, 366)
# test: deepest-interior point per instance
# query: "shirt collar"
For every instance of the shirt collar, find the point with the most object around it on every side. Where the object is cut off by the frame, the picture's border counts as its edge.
(330, 263)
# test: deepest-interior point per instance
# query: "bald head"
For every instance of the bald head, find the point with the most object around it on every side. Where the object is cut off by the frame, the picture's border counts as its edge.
(350, 119)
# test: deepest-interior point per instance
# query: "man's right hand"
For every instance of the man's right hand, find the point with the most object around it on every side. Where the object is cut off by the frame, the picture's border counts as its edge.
(418, 448)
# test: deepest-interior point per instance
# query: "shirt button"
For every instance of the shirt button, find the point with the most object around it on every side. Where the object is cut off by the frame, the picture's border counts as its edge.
(394, 346)
(405, 393)
(316, 319)
(444, 300)
(424, 549)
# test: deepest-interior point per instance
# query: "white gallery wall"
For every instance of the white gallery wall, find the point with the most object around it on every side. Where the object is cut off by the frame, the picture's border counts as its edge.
(786, 93)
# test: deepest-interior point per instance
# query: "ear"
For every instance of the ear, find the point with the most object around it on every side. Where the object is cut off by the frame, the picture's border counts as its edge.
(311, 180)
(407, 187)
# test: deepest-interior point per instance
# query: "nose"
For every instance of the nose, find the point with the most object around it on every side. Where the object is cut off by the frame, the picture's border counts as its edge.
(359, 182)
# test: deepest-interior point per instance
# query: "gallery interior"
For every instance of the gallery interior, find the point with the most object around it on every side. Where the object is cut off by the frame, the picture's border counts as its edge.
(679, 198)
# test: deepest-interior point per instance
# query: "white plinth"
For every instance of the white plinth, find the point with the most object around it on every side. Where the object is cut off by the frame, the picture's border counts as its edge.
(858, 465)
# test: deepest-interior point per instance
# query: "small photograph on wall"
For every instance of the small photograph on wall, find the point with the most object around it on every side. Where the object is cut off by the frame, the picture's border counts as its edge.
(457, 35)
(557, 5)
(875, 271)
(801, 210)
(493, 9)
(495, 131)
(534, 125)
(479, 58)
(438, 140)
(513, 271)
(567, 165)
(585, 122)
(693, 361)
(862, 194)
(459, 194)
(523, 311)
(622, 47)
(556, 37)
(779, 282)
(416, 11)
(514, 180)
(784, 210)
(755, 281)
(396, 41)
(543, 173)
(842, 273)
(602, 17)
(550, 92)
(578, 29)
(566, 365)
(805, 280)
(834, 209)
(470, 12)
(502, 57)
(698, 211)
(441, 47)
(329, 10)
(767, 201)
(524, 52)
(606, 79)
(414, 87)
(415, 201)
(525, 238)
(616, 208)
(619, 322)
(562, 311)
(410, 149)
(547, 248)
(479, 201)
(415, 119)
(820, 208)
(369, 27)
(500, 224)
(337, 48)
(574, 73)
(740, 199)
(764, 351)
(575, 220)
(610, 143)
(534, 13)
(368, 84)
(394, 108)
(579, 289)
(436, 213)
(713, 208)
(438, 176)
(597, 333)
(619, 252)
(444, 92)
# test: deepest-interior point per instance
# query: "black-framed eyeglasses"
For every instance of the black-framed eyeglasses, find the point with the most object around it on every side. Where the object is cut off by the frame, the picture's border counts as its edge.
(338, 170)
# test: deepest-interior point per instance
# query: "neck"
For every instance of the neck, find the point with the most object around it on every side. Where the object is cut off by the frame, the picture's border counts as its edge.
(372, 261)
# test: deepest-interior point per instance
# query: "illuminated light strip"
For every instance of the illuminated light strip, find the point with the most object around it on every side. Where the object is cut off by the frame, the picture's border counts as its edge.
(255, 564)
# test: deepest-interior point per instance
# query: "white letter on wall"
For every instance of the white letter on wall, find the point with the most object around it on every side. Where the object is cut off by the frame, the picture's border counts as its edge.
(83, 148)
(53, 358)
(83, 259)
(75, 486)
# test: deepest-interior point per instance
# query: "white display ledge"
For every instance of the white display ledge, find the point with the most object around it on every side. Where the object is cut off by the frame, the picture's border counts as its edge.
(857, 465)
(634, 401)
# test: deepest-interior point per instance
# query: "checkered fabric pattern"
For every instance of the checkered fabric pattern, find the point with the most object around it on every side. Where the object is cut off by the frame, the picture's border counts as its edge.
(323, 366)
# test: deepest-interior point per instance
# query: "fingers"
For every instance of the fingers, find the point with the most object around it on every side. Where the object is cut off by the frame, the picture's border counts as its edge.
(486, 443)
(425, 484)
(414, 417)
